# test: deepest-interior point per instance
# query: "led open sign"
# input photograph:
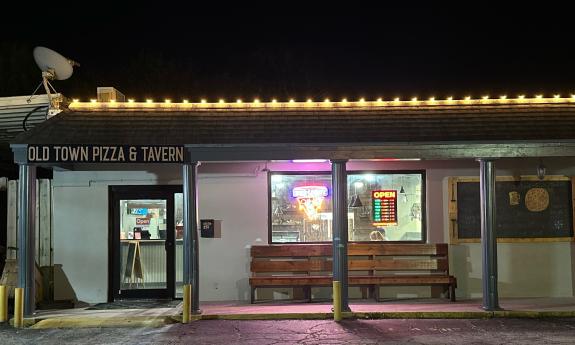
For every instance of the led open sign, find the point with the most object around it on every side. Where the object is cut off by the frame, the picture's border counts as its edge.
(384, 203)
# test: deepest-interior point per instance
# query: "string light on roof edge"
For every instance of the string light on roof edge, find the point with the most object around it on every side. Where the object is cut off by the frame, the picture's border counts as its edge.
(344, 102)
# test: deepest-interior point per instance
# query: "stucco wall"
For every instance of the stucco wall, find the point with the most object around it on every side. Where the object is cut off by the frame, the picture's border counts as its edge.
(236, 194)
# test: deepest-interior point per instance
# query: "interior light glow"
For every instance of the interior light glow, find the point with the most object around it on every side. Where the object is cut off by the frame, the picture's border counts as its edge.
(309, 160)
(130, 100)
(149, 100)
(185, 101)
(167, 100)
(93, 101)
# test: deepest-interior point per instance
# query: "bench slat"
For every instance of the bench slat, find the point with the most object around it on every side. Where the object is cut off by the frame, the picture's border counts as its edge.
(398, 264)
(359, 280)
(290, 266)
(311, 250)
(260, 266)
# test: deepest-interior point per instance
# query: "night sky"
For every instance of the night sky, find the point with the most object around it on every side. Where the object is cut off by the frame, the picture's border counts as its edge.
(397, 51)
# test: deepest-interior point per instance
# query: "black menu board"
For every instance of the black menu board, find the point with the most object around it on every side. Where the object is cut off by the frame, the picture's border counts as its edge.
(524, 209)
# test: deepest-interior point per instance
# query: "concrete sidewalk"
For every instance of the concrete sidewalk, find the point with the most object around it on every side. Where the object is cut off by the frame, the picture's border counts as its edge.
(403, 309)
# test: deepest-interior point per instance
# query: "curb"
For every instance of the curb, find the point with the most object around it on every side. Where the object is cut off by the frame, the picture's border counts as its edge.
(93, 322)
(159, 321)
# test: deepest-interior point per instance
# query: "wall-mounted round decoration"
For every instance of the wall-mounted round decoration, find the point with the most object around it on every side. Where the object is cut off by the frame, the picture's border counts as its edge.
(537, 199)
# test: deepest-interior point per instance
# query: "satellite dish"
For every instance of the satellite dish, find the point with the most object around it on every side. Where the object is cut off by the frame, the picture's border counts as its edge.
(53, 64)
(54, 67)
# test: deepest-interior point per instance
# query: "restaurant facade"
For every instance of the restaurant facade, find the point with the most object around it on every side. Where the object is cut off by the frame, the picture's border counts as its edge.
(131, 179)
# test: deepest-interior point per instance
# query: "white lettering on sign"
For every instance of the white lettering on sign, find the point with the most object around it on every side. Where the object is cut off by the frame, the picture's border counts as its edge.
(37, 155)
(112, 154)
(108, 154)
(163, 154)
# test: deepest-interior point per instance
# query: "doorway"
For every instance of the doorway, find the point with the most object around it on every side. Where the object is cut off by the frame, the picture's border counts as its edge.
(142, 241)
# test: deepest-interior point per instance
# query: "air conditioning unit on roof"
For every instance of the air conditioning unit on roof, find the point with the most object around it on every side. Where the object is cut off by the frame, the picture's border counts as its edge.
(108, 93)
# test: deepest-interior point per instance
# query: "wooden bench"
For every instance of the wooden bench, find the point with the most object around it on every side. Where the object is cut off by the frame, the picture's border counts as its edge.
(370, 265)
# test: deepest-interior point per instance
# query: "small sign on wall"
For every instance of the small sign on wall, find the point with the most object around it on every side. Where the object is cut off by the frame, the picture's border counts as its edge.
(210, 228)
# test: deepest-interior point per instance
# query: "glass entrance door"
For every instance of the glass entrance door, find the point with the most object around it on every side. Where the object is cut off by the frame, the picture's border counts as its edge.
(143, 244)
(144, 241)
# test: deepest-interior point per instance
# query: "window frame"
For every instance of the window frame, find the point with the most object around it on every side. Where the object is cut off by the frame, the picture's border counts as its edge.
(354, 172)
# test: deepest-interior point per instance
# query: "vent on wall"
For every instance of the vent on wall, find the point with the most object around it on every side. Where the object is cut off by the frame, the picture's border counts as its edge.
(108, 93)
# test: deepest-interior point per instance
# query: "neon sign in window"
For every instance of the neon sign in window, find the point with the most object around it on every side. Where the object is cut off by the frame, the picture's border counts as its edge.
(384, 207)
(310, 199)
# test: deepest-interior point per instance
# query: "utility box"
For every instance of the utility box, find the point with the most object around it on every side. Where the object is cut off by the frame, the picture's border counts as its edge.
(108, 93)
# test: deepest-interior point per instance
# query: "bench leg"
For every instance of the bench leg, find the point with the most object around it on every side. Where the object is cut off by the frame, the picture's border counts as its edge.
(252, 295)
(364, 292)
(371, 291)
(307, 293)
(376, 293)
(452, 292)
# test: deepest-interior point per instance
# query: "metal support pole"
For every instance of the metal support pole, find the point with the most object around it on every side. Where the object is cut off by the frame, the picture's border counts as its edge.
(488, 235)
(26, 228)
(191, 226)
(339, 233)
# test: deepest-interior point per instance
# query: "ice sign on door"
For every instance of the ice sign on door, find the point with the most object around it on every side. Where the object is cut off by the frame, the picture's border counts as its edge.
(384, 203)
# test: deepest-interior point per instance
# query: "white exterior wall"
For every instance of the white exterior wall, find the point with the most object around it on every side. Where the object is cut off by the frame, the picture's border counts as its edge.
(236, 194)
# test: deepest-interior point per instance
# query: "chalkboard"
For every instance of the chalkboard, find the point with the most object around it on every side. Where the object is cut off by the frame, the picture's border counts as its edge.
(524, 209)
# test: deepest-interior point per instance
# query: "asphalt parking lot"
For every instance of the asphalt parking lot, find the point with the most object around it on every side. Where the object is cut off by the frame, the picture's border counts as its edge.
(412, 331)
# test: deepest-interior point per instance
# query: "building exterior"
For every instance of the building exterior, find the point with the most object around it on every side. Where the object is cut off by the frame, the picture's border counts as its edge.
(130, 172)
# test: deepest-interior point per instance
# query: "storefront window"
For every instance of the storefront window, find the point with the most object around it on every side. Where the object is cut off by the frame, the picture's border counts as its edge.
(382, 206)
